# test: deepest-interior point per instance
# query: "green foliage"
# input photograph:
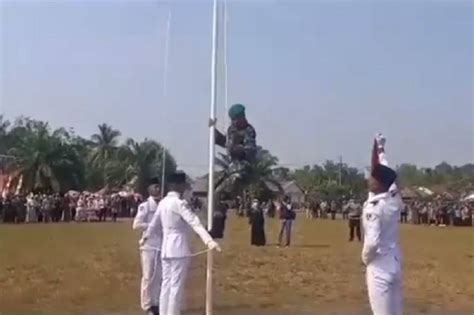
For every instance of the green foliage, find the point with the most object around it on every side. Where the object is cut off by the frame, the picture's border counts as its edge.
(59, 160)
(330, 180)
(257, 177)
(451, 177)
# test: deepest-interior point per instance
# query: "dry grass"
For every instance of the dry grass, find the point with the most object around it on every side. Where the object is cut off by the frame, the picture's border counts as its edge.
(78, 268)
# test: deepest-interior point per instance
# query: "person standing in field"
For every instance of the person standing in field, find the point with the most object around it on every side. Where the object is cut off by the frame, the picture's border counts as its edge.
(102, 209)
(219, 218)
(257, 224)
(81, 209)
(30, 209)
(116, 204)
(46, 207)
(466, 215)
(346, 210)
(150, 286)
(404, 214)
(287, 216)
(381, 251)
(355, 212)
(173, 217)
(333, 210)
(324, 209)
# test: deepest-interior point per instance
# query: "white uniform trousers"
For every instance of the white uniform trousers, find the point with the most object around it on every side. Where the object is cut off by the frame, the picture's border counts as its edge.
(172, 287)
(151, 278)
(384, 290)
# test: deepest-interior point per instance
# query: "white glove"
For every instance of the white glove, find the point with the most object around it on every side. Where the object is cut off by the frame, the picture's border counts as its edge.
(212, 245)
(380, 140)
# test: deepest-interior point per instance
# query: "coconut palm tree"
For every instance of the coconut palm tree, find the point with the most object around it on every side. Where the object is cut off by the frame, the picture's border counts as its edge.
(42, 159)
(104, 149)
(4, 124)
(256, 177)
(140, 162)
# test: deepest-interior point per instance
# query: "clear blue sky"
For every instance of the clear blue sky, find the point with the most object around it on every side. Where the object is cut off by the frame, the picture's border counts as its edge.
(319, 78)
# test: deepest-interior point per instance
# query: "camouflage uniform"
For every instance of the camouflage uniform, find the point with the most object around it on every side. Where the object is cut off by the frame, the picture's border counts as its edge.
(241, 137)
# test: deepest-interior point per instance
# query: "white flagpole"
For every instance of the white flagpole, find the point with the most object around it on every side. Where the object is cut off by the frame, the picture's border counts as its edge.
(212, 153)
(163, 170)
(165, 92)
(226, 99)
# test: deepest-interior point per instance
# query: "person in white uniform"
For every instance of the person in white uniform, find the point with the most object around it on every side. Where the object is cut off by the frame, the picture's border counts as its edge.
(30, 209)
(150, 252)
(381, 253)
(173, 216)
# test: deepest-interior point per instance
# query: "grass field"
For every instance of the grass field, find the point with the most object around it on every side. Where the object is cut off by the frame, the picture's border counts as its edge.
(91, 268)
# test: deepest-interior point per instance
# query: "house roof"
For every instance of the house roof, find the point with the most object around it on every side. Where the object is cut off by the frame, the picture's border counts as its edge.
(408, 193)
(289, 187)
(200, 185)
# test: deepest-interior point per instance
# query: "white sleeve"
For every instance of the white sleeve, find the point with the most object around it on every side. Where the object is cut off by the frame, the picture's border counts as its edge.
(154, 224)
(192, 219)
(383, 160)
(139, 222)
(372, 229)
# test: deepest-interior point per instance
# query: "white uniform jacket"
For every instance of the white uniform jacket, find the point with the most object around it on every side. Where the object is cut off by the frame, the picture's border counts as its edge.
(174, 215)
(145, 213)
(380, 221)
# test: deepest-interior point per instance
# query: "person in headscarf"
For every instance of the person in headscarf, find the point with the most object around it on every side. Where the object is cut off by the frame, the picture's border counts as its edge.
(30, 209)
(219, 218)
(257, 223)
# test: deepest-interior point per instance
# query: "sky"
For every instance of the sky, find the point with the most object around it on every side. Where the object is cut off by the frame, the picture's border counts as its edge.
(318, 78)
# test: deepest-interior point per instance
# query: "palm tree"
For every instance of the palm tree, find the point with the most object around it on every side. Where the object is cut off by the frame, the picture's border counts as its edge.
(42, 159)
(104, 148)
(5, 139)
(257, 176)
(140, 162)
(261, 173)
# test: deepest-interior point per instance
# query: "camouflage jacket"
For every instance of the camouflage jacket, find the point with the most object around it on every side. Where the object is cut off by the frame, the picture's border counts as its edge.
(244, 137)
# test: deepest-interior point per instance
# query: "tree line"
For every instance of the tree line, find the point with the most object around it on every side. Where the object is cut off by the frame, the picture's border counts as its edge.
(47, 159)
(59, 160)
(334, 179)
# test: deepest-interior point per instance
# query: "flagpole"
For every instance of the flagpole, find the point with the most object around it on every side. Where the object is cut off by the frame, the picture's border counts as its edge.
(165, 93)
(226, 98)
(163, 170)
(212, 153)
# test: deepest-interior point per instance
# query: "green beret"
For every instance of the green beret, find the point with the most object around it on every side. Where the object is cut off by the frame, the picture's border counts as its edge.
(236, 110)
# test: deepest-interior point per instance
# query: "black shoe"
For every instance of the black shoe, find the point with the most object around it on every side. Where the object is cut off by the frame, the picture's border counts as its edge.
(154, 310)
